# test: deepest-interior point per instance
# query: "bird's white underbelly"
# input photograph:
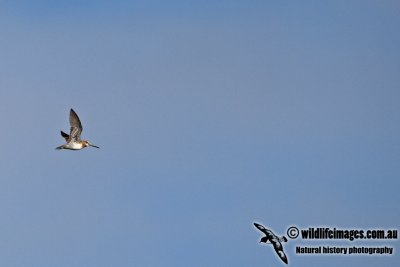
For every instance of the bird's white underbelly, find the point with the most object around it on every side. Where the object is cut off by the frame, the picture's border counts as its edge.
(74, 146)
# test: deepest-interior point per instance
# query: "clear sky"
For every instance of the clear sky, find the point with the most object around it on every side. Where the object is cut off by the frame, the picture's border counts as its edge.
(210, 115)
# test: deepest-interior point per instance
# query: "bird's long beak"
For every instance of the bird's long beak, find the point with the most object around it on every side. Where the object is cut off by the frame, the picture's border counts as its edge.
(94, 146)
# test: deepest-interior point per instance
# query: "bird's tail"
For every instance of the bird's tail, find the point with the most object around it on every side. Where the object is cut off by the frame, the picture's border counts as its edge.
(60, 147)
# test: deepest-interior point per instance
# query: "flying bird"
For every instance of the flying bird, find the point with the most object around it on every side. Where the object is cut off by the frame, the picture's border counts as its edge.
(274, 240)
(73, 139)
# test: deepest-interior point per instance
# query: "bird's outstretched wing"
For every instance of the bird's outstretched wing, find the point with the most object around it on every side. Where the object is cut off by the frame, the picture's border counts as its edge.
(76, 126)
(65, 136)
(279, 250)
(261, 228)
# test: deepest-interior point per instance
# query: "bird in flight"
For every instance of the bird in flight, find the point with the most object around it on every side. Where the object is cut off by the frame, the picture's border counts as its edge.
(73, 139)
(274, 240)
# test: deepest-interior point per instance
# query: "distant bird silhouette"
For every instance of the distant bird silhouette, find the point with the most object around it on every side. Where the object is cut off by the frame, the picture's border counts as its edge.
(274, 240)
(73, 139)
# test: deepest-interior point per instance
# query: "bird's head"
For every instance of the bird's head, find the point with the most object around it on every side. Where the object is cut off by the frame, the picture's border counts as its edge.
(264, 239)
(86, 144)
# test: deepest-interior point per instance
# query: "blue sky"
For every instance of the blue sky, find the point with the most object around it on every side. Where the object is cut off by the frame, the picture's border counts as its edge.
(210, 115)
